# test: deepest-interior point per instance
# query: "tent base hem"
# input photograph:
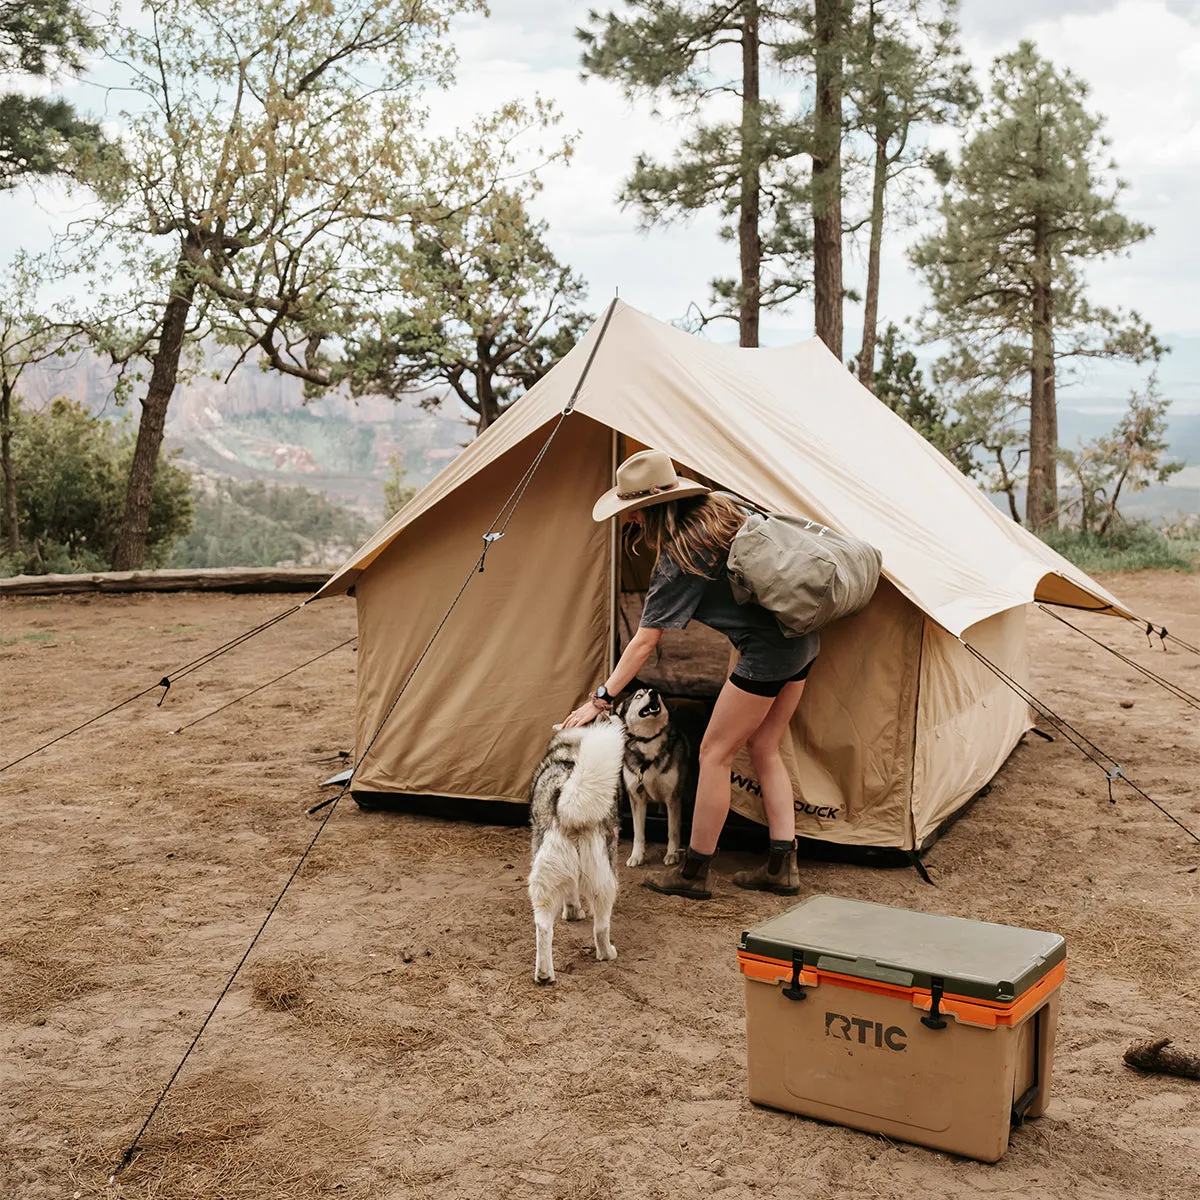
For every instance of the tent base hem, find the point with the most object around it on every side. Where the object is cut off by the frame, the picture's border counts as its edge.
(740, 833)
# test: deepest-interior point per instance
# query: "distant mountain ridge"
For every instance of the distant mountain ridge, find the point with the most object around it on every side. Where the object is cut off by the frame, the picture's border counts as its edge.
(258, 427)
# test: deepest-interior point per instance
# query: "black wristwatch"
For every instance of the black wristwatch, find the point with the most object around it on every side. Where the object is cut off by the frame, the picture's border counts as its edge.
(603, 695)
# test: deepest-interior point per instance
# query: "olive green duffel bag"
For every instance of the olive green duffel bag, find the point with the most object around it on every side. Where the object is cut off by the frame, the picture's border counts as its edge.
(802, 572)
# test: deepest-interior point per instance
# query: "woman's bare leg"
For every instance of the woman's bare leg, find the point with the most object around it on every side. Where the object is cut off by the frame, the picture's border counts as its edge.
(763, 747)
(735, 717)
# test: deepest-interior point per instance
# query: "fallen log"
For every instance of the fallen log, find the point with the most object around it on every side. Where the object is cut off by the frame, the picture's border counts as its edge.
(1157, 1056)
(210, 579)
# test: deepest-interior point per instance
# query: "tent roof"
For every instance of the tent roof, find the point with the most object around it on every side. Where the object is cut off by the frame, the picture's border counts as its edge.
(790, 429)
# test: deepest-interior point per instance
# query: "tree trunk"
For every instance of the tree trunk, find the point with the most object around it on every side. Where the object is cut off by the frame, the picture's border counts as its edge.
(1041, 501)
(1006, 484)
(749, 246)
(488, 405)
(866, 356)
(11, 541)
(131, 541)
(1050, 400)
(827, 173)
(1111, 510)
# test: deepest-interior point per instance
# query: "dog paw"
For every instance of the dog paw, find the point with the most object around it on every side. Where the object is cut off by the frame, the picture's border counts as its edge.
(672, 857)
(636, 859)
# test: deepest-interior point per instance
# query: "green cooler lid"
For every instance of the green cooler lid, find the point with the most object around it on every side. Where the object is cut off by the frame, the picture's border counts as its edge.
(908, 949)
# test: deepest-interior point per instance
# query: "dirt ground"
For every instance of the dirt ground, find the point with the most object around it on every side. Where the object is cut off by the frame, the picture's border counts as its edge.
(385, 1038)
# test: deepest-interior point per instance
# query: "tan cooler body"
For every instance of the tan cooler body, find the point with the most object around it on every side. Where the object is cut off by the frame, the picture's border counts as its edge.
(925, 1028)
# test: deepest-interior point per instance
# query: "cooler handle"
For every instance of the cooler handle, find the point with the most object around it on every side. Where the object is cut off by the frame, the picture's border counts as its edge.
(1022, 1103)
(865, 968)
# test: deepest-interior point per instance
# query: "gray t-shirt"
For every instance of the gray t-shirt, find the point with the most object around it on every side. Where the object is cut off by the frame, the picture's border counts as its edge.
(675, 598)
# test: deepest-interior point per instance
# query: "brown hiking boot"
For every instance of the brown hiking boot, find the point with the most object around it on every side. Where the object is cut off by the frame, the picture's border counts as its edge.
(689, 878)
(779, 874)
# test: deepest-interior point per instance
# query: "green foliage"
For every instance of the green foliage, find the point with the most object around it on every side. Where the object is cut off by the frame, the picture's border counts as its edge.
(748, 170)
(900, 384)
(71, 469)
(396, 493)
(264, 525)
(1125, 547)
(268, 151)
(38, 38)
(1035, 166)
(1130, 457)
(1031, 200)
(904, 68)
(905, 72)
(264, 152)
(485, 311)
(27, 337)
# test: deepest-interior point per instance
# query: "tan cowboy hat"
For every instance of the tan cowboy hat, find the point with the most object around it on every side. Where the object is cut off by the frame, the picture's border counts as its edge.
(645, 478)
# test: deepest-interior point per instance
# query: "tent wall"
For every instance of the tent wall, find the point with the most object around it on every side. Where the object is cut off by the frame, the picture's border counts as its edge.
(851, 749)
(968, 721)
(525, 644)
(898, 727)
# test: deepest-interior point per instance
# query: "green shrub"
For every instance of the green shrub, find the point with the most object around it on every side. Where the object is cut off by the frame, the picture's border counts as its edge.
(71, 470)
(1126, 546)
(265, 525)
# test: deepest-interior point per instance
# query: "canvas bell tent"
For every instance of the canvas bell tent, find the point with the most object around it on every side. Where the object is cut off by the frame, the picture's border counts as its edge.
(899, 725)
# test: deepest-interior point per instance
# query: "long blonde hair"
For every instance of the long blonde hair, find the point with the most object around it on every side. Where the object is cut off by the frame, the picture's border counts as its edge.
(694, 533)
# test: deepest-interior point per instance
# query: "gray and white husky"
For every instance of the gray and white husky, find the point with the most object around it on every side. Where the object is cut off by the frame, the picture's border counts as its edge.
(657, 760)
(573, 808)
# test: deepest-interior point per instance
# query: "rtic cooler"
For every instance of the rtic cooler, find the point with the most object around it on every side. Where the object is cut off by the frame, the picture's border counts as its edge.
(925, 1028)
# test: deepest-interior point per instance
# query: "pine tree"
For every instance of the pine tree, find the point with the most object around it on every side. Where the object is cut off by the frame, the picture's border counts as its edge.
(40, 38)
(1031, 201)
(746, 169)
(904, 70)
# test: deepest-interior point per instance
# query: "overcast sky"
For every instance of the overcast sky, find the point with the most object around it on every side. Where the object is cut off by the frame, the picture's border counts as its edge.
(1141, 58)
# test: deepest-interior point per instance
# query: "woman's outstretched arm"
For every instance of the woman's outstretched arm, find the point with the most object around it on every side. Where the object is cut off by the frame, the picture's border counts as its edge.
(633, 658)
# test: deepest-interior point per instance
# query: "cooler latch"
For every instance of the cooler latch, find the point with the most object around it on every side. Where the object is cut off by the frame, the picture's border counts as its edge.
(935, 1020)
(794, 991)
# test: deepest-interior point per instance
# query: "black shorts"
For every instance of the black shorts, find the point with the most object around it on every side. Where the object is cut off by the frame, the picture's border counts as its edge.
(768, 687)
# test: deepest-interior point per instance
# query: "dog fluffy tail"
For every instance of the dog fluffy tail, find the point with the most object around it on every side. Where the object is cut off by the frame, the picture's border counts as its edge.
(587, 796)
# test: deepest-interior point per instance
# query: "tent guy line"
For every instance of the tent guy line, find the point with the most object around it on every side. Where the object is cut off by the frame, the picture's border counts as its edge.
(489, 538)
(165, 682)
(1116, 771)
(1164, 634)
(1174, 688)
(127, 1157)
(269, 682)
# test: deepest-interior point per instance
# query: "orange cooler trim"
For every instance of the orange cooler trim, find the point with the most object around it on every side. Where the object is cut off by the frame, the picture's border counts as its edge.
(986, 1013)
